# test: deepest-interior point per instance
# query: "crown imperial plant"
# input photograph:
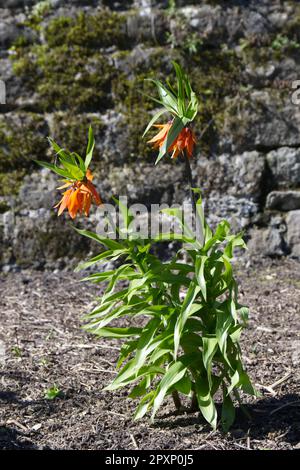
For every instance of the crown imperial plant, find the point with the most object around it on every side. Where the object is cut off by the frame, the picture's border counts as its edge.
(183, 319)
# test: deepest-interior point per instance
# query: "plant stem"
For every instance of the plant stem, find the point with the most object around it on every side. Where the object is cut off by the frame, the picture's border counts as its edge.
(194, 403)
(199, 228)
(176, 399)
(191, 184)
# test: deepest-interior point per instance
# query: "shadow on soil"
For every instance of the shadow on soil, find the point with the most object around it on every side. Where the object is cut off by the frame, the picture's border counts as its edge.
(11, 439)
(268, 417)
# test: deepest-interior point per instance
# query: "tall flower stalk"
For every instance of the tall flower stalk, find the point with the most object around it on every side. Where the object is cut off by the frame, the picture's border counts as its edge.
(176, 137)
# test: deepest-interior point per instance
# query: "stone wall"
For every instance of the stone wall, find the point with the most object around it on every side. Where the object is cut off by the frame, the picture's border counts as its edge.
(67, 64)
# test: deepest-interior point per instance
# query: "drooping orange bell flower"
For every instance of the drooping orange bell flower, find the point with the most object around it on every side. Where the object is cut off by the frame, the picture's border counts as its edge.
(79, 197)
(185, 141)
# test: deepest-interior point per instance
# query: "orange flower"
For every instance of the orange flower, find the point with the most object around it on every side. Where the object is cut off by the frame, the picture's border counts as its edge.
(158, 139)
(79, 197)
(185, 141)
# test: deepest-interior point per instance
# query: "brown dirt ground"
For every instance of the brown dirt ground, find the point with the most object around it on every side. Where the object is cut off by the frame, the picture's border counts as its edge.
(42, 345)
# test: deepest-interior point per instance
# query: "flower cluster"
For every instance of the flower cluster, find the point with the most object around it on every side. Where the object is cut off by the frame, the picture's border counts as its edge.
(79, 197)
(77, 177)
(185, 141)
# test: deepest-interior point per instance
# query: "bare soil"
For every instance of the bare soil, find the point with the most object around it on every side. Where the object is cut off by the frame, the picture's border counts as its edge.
(42, 345)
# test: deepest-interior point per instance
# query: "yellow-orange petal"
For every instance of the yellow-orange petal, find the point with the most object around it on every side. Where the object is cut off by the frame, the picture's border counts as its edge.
(73, 204)
(63, 203)
(87, 204)
(89, 175)
(67, 185)
(161, 135)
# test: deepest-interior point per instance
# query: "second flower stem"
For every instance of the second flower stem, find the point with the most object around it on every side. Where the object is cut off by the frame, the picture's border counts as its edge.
(198, 223)
(191, 184)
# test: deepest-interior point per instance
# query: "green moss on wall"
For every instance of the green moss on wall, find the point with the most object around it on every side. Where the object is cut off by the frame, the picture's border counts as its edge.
(71, 73)
(10, 183)
(68, 71)
(22, 140)
(278, 49)
(291, 28)
(130, 97)
(216, 75)
(66, 77)
(103, 29)
(71, 131)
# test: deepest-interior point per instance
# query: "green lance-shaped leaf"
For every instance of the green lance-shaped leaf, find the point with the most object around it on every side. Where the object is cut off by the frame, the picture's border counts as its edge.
(205, 401)
(184, 385)
(74, 170)
(234, 380)
(125, 271)
(228, 412)
(243, 312)
(246, 385)
(186, 311)
(108, 254)
(223, 325)
(234, 240)
(55, 169)
(80, 161)
(154, 119)
(240, 379)
(60, 151)
(142, 372)
(162, 351)
(199, 271)
(210, 344)
(90, 148)
(180, 87)
(191, 342)
(188, 235)
(141, 389)
(167, 97)
(171, 377)
(126, 349)
(232, 306)
(120, 295)
(108, 242)
(235, 333)
(227, 274)
(98, 277)
(144, 347)
(111, 315)
(125, 212)
(220, 235)
(144, 405)
(136, 285)
(192, 109)
(119, 332)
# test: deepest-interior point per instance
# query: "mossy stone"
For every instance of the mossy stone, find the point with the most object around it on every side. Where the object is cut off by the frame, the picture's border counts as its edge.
(216, 75)
(22, 138)
(10, 182)
(104, 29)
(71, 131)
(66, 77)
